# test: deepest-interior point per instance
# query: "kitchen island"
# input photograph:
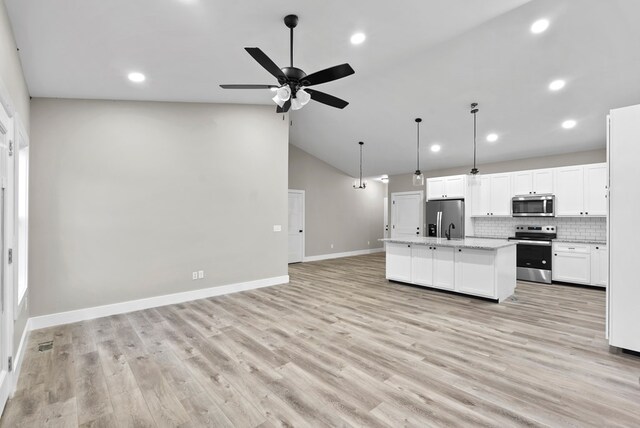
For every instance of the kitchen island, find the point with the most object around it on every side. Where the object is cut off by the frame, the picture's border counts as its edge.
(475, 266)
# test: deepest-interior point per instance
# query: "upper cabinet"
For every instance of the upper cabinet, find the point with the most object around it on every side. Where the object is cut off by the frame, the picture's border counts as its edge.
(581, 190)
(452, 187)
(490, 195)
(536, 182)
(595, 189)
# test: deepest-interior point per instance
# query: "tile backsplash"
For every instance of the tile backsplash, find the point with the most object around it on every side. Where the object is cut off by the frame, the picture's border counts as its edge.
(568, 228)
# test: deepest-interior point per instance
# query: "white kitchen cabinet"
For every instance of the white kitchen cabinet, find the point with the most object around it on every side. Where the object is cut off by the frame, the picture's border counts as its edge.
(452, 187)
(569, 191)
(444, 267)
(433, 266)
(599, 265)
(537, 182)
(595, 190)
(475, 272)
(581, 190)
(571, 263)
(500, 194)
(399, 261)
(422, 265)
(522, 183)
(491, 195)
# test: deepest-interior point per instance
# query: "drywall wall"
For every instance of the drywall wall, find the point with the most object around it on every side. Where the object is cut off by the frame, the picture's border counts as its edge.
(403, 182)
(335, 212)
(11, 74)
(13, 90)
(129, 198)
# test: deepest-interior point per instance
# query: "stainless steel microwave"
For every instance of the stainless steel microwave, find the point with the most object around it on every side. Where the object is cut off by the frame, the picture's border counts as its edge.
(533, 206)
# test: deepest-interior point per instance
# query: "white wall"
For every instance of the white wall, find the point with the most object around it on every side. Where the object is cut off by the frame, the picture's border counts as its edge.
(336, 213)
(128, 198)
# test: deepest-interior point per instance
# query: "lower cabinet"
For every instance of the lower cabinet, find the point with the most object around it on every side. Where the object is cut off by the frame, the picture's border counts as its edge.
(586, 264)
(599, 265)
(433, 266)
(481, 272)
(399, 261)
(475, 272)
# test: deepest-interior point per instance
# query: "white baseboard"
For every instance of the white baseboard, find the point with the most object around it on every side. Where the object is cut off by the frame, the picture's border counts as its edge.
(339, 255)
(151, 302)
(17, 362)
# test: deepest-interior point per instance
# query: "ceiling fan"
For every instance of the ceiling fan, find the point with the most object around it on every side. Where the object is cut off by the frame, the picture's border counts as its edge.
(293, 90)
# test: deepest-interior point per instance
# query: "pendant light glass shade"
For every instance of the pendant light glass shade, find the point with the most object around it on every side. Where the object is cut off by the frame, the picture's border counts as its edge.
(360, 184)
(303, 96)
(418, 176)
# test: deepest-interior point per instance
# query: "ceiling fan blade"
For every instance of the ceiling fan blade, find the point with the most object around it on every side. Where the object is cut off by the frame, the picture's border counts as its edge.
(248, 86)
(285, 107)
(328, 74)
(327, 99)
(266, 62)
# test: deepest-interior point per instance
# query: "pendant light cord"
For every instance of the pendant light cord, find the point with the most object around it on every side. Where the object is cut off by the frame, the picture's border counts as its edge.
(361, 164)
(418, 148)
(474, 111)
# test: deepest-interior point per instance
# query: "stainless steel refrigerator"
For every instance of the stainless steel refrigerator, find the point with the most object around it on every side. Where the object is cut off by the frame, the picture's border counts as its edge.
(440, 214)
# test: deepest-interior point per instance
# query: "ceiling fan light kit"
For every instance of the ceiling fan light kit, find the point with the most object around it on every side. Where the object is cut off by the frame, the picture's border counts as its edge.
(292, 89)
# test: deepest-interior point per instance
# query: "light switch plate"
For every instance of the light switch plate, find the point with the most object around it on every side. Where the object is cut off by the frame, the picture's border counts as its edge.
(200, 274)
(277, 228)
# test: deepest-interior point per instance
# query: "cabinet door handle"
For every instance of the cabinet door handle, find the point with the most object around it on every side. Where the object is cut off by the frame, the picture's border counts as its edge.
(409, 246)
(555, 254)
(586, 213)
(597, 248)
(459, 250)
(581, 213)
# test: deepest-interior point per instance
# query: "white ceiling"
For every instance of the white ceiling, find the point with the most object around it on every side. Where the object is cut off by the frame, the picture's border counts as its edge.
(421, 58)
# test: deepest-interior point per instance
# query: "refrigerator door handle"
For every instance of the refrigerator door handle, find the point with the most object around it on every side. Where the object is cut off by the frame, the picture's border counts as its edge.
(439, 224)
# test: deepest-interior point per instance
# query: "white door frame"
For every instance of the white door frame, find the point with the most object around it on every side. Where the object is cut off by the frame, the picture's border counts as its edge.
(304, 226)
(6, 318)
(412, 192)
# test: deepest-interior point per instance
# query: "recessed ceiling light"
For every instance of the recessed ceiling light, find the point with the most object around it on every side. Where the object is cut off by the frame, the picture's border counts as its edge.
(540, 26)
(136, 77)
(568, 124)
(358, 38)
(492, 138)
(556, 85)
(435, 148)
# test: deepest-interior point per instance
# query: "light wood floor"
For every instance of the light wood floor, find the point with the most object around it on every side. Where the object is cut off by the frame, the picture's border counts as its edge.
(338, 346)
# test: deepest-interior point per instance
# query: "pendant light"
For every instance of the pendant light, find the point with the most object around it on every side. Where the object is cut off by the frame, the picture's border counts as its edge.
(361, 184)
(474, 110)
(418, 176)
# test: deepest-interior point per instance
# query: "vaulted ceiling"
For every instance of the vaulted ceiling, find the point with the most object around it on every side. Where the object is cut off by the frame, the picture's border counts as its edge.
(421, 58)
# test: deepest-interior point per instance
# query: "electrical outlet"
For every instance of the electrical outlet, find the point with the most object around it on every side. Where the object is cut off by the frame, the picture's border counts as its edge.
(194, 275)
(200, 274)
(368, 242)
(277, 228)
(331, 246)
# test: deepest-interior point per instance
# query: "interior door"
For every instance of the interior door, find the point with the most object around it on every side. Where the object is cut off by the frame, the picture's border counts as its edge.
(296, 226)
(406, 214)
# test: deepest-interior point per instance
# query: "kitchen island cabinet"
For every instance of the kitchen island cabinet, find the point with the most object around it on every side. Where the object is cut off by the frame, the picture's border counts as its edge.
(478, 267)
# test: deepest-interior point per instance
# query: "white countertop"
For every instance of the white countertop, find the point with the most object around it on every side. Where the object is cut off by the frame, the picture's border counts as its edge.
(479, 243)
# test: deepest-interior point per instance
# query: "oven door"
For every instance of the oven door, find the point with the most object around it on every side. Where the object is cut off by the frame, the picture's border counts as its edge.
(538, 206)
(534, 261)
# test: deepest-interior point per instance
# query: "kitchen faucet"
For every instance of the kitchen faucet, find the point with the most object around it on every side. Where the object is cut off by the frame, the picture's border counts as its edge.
(448, 232)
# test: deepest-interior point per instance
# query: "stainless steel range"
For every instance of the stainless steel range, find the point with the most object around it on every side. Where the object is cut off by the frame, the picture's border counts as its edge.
(534, 252)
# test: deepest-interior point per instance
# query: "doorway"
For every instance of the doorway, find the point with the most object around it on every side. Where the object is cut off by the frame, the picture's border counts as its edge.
(296, 226)
(407, 214)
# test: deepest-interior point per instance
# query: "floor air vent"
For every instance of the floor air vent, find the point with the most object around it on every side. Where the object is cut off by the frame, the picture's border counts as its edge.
(45, 346)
